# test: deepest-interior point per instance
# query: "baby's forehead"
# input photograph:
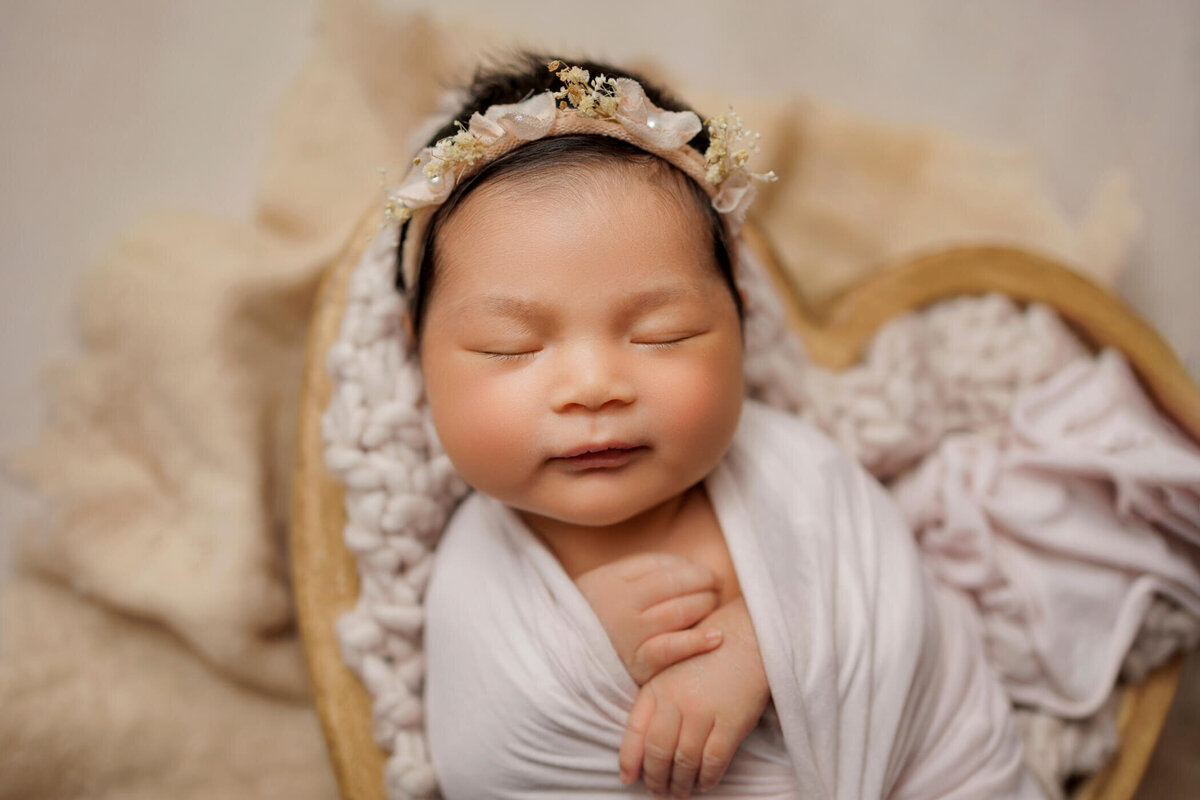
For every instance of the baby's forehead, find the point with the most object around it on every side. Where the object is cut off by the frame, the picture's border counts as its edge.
(605, 209)
(609, 239)
(632, 220)
(601, 182)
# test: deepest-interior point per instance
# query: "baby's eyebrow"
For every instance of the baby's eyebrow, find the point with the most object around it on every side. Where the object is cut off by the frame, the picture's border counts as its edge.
(500, 305)
(524, 310)
(651, 299)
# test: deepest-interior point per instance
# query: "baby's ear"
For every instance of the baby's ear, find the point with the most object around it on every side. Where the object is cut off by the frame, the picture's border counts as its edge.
(408, 327)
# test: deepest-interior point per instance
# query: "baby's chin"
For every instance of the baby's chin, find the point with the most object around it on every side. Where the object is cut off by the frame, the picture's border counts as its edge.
(597, 516)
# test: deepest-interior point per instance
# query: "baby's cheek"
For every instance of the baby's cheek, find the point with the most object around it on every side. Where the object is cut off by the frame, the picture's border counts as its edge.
(483, 430)
(705, 404)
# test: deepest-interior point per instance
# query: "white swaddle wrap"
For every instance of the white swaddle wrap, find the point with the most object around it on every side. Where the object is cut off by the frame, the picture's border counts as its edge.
(877, 677)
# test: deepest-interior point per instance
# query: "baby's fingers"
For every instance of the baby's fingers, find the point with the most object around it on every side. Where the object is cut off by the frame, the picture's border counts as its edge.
(661, 651)
(633, 745)
(675, 577)
(718, 752)
(688, 757)
(662, 740)
(680, 612)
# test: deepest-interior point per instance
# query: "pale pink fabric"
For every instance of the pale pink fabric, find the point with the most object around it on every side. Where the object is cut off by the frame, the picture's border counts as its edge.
(1063, 528)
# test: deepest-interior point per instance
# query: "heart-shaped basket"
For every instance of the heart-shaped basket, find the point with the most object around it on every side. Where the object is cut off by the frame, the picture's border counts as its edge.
(325, 576)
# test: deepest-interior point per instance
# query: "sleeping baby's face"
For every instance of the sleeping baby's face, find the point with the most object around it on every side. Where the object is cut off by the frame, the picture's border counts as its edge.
(582, 355)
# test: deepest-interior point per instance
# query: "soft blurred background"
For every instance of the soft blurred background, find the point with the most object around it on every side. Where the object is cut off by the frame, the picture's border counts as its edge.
(111, 110)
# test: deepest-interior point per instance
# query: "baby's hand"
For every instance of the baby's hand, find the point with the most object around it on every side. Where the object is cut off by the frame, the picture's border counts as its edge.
(689, 720)
(648, 604)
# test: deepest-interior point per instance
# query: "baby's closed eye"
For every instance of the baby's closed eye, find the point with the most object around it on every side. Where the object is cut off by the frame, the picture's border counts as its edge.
(502, 345)
(668, 333)
(508, 353)
(662, 340)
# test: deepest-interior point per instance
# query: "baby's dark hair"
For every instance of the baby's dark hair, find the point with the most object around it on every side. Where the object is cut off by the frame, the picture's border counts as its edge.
(524, 77)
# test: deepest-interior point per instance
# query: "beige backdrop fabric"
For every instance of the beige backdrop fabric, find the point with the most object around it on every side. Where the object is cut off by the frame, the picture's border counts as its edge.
(149, 647)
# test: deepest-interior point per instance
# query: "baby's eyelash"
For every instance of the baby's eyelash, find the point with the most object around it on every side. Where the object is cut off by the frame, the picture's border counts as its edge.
(505, 356)
(664, 345)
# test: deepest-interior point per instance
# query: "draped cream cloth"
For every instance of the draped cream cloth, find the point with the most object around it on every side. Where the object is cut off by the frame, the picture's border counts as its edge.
(148, 645)
(877, 676)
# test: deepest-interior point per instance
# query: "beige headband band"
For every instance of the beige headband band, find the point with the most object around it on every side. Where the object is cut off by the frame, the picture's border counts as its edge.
(617, 108)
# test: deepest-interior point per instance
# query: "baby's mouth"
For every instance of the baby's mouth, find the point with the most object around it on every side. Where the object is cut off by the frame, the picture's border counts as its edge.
(602, 456)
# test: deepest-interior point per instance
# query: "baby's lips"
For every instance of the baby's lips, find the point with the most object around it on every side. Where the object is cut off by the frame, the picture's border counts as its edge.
(598, 447)
(608, 458)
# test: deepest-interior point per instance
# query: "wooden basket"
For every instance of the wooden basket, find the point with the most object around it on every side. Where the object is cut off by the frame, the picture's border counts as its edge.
(326, 581)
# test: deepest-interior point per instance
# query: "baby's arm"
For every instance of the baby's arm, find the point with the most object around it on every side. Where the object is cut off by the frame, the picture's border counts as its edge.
(689, 719)
(648, 604)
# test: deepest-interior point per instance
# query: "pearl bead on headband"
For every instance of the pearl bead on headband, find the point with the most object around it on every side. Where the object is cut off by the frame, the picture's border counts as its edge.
(615, 107)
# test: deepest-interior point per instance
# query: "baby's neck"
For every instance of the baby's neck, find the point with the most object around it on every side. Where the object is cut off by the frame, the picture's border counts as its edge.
(580, 548)
(685, 525)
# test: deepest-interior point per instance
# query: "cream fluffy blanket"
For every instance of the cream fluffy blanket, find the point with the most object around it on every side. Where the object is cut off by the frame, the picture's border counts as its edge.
(148, 647)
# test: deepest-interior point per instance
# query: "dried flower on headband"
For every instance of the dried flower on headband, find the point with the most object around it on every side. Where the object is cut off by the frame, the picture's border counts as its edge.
(616, 107)
(598, 98)
(730, 146)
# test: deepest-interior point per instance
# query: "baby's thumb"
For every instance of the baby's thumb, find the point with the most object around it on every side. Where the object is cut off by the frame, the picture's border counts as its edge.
(661, 651)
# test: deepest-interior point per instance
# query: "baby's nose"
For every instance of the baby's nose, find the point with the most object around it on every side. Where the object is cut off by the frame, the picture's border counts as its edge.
(591, 379)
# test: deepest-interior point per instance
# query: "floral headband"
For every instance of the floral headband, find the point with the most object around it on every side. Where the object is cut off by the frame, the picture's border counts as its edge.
(615, 107)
